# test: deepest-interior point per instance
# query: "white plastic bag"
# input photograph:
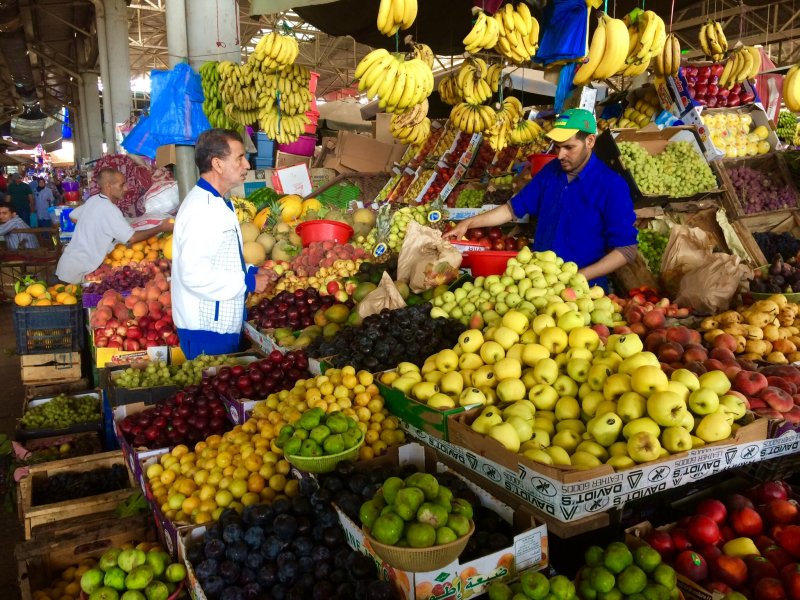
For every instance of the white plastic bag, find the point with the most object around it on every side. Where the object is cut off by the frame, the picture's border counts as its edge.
(162, 198)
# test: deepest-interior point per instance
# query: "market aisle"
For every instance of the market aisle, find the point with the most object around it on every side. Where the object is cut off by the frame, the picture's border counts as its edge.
(10, 409)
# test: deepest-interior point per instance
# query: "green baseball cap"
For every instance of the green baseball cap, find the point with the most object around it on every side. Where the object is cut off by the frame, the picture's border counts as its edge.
(571, 122)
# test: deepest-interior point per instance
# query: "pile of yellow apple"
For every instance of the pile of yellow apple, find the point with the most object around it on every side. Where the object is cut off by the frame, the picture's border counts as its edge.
(767, 330)
(558, 396)
(533, 283)
(346, 390)
(736, 135)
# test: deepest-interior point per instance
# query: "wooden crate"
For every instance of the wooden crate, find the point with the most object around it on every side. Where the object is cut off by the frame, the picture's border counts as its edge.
(775, 222)
(773, 165)
(42, 560)
(50, 368)
(36, 516)
(53, 389)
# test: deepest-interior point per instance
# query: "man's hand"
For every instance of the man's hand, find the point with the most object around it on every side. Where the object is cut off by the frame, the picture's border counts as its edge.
(167, 225)
(261, 282)
(457, 232)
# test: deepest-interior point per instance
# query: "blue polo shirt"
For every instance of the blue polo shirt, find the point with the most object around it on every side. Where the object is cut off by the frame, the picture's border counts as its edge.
(582, 220)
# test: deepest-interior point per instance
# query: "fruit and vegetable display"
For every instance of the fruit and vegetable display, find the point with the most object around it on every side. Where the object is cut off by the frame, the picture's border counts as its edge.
(352, 392)
(293, 310)
(745, 545)
(735, 134)
(711, 86)
(533, 282)
(157, 373)
(293, 548)
(787, 127)
(149, 250)
(31, 292)
(779, 277)
(59, 487)
(318, 433)
(678, 171)
(773, 244)
(61, 412)
(133, 574)
(761, 192)
(390, 337)
(416, 512)
(129, 277)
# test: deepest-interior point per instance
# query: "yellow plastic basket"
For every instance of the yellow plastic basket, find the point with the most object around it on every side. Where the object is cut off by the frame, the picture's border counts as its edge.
(418, 560)
(325, 464)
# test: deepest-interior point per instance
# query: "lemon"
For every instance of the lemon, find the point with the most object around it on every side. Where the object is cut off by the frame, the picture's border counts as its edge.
(36, 290)
(23, 299)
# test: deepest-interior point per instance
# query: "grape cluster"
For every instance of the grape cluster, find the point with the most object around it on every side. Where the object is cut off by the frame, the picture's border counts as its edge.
(70, 486)
(122, 280)
(677, 172)
(651, 246)
(775, 244)
(158, 373)
(787, 125)
(470, 198)
(761, 192)
(61, 412)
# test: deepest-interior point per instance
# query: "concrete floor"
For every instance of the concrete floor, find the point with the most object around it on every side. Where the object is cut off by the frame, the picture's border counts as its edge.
(10, 409)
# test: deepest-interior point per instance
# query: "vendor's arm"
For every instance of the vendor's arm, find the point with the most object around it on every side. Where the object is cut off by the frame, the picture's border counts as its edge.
(496, 216)
(608, 264)
(146, 234)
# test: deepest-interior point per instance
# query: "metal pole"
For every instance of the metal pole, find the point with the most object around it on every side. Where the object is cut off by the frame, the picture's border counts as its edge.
(208, 23)
(119, 63)
(94, 132)
(178, 51)
(102, 51)
(81, 138)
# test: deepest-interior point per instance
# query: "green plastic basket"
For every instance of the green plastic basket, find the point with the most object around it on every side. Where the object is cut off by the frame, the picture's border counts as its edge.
(340, 195)
(325, 464)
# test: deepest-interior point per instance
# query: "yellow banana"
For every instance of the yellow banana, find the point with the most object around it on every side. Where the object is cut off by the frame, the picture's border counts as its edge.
(616, 49)
(596, 49)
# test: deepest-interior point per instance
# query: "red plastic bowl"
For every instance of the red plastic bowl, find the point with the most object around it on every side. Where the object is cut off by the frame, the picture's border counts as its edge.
(489, 262)
(538, 161)
(322, 230)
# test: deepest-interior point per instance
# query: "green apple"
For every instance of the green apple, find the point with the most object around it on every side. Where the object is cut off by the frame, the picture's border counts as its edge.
(441, 401)
(645, 424)
(567, 439)
(597, 376)
(507, 368)
(686, 377)
(546, 371)
(506, 435)
(584, 460)
(578, 369)
(515, 352)
(717, 381)
(594, 449)
(471, 396)
(491, 352)
(680, 389)
(630, 364)
(565, 386)
(567, 408)
(666, 408)
(559, 455)
(452, 383)
(605, 429)
(648, 379)
(469, 360)
(703, 401)
(616, 385)
(735, 405)
(627, 345)
(488, 418)
(570, 320)
(631, 406)
(423, 390)
(676, 439)
(522, 427)
(484, 376)
(543, 396)
(591, 401)
(644, 447)
(520, 408)
(713, 428)
(447, 360)
(510, 390)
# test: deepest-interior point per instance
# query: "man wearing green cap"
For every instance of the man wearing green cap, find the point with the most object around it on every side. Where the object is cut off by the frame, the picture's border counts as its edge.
(583, 209)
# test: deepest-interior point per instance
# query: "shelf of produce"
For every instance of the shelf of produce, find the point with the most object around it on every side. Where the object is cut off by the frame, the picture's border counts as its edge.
(35, 516)
(749, 226)
(41, 560)
(266, 344)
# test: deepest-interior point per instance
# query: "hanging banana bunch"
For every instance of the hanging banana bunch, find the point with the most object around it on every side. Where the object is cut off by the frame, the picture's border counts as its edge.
(507, 120)
(519, 33)
(668, 62)
(647, 39)
(791, 89)
(483, 35)
(449, 90)
(275, 51)
(394, 15)
(742, 64)
(473, 118)
(607, 52)
(399, 84)
(713, 40)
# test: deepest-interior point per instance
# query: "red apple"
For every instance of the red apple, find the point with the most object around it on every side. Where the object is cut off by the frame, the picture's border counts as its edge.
(702, 530)
(713, 509)
(692, 566)
(661, 541)
(730, 570)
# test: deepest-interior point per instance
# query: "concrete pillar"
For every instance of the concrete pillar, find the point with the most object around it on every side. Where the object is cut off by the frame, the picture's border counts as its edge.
(119, 63)
(78, 124)
(92, 126)
(178, 50)
(105, 77)
(78, 142)
(208, 21)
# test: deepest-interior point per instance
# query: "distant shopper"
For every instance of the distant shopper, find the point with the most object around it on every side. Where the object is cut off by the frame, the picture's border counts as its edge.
(209, 275)
(100, 225)
(3, 181)
(10, 222)
(44, 200)
(21, 196)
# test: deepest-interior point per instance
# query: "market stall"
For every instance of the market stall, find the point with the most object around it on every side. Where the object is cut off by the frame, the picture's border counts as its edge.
(419, 418)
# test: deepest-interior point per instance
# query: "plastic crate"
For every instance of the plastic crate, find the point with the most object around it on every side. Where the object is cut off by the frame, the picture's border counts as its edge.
(43, 329)
(340, 195)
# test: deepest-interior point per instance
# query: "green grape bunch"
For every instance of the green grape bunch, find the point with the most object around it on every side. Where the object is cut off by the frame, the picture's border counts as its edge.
(157, 373)
(470, 198)
(62, 412)
(652, 245)
(677, 172)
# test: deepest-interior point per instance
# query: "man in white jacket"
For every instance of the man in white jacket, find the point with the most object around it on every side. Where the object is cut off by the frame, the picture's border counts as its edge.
(209, 276)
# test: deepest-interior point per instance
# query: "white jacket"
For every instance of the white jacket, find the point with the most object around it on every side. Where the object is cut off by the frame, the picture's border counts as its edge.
(208, 280)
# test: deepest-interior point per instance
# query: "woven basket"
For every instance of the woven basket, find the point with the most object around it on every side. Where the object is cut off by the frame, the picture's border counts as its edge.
(325, 464)
(421, 560)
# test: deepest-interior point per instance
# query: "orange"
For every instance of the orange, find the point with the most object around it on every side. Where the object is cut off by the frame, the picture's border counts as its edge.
(23, 299)
(255, 483)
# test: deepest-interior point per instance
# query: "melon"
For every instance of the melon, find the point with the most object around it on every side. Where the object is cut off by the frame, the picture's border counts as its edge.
(249, 232)
(254, 253)
(365, 215)
(267, 240)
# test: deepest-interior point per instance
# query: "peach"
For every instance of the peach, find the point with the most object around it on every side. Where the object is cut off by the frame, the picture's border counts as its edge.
(731, 371)
(121, 312)
(750, 383)
(679, 335)
(152, 293)
(654, 319)
(130, 301)
(104, 312)
(694, 336)
(712, 364)
(670, 352)
(654, 340)
(784, 384)
(722, 354)
(639, 328)
(165, 298)
(777, 399)
(694, 352)
(696, 367)
(726, 341)
(140, 309)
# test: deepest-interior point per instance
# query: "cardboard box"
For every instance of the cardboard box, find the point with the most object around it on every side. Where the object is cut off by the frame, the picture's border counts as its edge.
(529, 550)
(165, 155)
(569, 494)
(653, 140)
(284, 159)
(361, 154)
(415, 416)
(39, 369)
(460, 214)
(382, 132)
(757, 114)
(104, 357)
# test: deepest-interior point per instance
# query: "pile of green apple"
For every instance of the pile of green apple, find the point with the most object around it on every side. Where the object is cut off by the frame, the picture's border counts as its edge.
(533, 283)
(132, 574)
(416, 512)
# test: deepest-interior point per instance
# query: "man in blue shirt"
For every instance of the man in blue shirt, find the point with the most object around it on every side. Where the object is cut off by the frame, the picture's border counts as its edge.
(583, 209)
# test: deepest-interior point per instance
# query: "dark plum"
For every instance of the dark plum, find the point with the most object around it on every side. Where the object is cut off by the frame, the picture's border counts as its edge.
(229, 571)
(284, 526)
(214, 549)
(236, 552)
(254, 536)
(206, 569)
(267, 575)
(213, 586)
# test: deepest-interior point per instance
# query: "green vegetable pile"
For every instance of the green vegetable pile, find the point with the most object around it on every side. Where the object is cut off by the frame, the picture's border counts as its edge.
(651, 246)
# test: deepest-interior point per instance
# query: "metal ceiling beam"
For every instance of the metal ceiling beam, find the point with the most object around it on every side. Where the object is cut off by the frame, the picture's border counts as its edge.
(61, 19)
